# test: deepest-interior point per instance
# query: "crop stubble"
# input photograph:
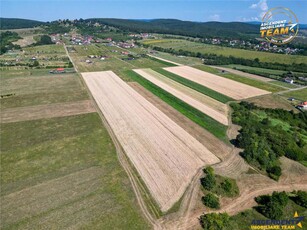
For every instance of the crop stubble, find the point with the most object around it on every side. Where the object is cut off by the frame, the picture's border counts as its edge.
(164, 154)
(222, 85)
(203, 103)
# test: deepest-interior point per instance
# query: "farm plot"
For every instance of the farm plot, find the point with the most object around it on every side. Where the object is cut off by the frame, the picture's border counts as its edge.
(203, 103)
(180, 44)
(63, 173)
(46, 111)
(225, 86)
(163, 153)
(37, 87)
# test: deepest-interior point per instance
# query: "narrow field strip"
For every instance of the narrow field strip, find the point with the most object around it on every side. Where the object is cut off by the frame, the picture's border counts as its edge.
(207, 105)
(193, 85)
(46, 111)
(222, 85)
(206, 122)
(164, 154)
(164, 60)
(244, 74)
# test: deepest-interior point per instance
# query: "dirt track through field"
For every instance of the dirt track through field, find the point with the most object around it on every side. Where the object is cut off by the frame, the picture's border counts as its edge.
(205, 104)
(222, 85)
(46, 111)
(165, 155)
(243, 74)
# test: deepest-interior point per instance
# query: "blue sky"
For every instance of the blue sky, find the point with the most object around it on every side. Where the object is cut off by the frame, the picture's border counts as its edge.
(192, 10)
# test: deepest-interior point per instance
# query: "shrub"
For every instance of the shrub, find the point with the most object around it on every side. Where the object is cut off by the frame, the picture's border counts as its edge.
(214, 221)
(211, 201)
(301, 198)
(208, 182)
(227, 186)
(274, 172)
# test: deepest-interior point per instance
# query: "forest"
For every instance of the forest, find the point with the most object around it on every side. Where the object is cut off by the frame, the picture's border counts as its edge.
(6, 39)
(16, 23)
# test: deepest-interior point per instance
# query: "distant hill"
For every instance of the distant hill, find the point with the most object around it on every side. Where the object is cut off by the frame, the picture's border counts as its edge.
(17, 23)
(186, 28)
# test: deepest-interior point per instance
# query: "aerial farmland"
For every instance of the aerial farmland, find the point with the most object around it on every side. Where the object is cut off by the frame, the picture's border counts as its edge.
(102, 128)
(224, 86)
(157, 147)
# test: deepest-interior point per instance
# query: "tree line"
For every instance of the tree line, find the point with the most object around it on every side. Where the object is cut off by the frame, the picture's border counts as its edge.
(214, 59)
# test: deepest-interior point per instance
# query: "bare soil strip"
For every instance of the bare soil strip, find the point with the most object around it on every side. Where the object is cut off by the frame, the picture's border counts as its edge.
(46, 111)
(25, 41)
(164, 154)
(243, 74)
(222, 85)
(205, 104)
(162, 59)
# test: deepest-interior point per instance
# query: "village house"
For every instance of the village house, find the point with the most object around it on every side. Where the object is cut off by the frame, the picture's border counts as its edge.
(303, 105)
(289, 80)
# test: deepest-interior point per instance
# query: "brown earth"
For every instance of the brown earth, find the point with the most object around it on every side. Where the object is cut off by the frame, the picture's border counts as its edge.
(46, 111)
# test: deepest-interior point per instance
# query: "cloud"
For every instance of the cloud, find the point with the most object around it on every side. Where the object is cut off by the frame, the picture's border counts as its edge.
(253, 6)
(251, 19)
(215, 17)
(262, 7)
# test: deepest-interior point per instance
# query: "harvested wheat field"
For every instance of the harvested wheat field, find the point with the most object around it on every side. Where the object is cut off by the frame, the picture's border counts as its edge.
(163, 153)
(203, 103)
(222, 85)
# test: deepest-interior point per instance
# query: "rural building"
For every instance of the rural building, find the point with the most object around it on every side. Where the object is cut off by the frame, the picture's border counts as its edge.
(289, 80)
(58, 70)
(303, 105)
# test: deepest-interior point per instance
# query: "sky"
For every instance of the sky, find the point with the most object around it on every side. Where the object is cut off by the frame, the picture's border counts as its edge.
(190, 10)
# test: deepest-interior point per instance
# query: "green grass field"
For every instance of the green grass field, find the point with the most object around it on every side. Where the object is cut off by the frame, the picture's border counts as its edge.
(36, 87)
(284, 84)
(257, 70)
(195, 115)
(248, 81)
(200, 88)
(64, 173)
(297, 94)
(178, 44)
